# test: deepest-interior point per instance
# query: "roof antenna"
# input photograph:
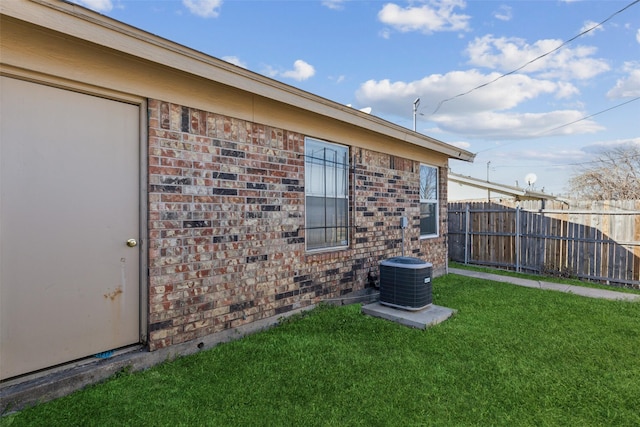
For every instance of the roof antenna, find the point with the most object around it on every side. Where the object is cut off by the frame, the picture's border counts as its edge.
(415, 112)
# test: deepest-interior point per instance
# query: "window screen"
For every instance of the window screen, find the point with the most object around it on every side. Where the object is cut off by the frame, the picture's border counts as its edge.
(428, 201)
(326, 188)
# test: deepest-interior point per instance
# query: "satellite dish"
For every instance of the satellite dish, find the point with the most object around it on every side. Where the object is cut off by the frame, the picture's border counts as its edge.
(530, 178)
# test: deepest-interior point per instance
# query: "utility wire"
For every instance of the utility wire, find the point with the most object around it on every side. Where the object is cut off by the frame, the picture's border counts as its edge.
(558, 165)
(538, 58)
(566, 124)
(587, 117)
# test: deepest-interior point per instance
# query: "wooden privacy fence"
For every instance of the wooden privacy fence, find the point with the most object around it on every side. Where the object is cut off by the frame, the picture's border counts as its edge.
(598, 241)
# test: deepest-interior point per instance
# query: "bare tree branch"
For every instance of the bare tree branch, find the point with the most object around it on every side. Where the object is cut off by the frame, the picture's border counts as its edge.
(615, 176)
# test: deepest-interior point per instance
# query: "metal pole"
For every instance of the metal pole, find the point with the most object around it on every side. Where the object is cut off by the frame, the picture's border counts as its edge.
(518, 243)
(488, 190)
(415, 112)
(466, 235)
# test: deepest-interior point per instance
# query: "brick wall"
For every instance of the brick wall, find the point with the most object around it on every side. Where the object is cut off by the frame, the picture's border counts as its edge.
(387, 188)
(226, 224)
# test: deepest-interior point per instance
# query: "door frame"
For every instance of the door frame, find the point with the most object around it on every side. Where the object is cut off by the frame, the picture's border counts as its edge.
(141, 102)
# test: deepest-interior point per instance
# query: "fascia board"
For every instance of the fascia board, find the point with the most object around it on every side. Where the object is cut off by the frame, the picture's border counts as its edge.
(81, 23)
(538, 195)
(486, 185)
(498, 188)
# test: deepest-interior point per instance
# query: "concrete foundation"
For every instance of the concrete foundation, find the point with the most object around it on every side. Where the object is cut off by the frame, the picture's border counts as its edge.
(422, 319)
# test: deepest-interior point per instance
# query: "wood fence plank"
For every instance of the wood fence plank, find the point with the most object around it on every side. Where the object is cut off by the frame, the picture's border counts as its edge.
(595, 240)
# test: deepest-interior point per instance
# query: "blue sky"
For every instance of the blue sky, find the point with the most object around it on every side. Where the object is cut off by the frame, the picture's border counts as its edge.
(384, 55)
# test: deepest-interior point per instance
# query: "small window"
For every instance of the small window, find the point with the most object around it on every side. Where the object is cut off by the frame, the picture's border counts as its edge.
(428, 201)
(326, 169)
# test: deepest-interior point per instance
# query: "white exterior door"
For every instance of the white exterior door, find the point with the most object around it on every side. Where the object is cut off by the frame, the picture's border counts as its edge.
(70, 192)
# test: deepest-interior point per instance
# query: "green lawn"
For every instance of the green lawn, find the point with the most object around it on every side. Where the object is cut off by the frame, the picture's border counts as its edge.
(511, 356)
(552, 279)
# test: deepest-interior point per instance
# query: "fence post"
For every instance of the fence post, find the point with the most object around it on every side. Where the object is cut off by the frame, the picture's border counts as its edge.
(542, 244)
(518, 243)
(466, 234)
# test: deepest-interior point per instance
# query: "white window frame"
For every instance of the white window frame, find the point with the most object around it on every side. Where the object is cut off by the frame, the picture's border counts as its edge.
(339, 190)
(435, 201)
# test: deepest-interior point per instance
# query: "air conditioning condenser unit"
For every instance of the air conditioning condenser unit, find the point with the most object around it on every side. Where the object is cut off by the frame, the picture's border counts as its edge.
(405, 282)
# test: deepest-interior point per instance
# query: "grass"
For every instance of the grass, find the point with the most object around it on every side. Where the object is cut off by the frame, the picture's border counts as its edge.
(511, 356)
(552, 279)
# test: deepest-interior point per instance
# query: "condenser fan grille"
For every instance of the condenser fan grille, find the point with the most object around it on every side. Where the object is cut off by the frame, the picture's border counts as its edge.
(405, 282)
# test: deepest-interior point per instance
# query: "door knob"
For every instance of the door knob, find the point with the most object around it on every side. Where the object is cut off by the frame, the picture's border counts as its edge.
(132, 242)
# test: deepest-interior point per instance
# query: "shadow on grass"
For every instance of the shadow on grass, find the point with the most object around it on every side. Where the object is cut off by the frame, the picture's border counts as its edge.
(510, 356)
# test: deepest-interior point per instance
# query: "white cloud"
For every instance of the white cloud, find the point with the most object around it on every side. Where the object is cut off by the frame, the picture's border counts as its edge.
(591, 24)
(460, 144)
(575, 64)
(433, 131)
(334, 4)
(629, 86)
(638, 35)
(565, 90)
(301, 71)
(507, 54)
(518, 125)
(555, 156)
(235, 61)
(97, 5)
(504, 13)
(438, 15)
(483, 113)
(204, 8)
(394, 97)
(598, 147)
(385, 33)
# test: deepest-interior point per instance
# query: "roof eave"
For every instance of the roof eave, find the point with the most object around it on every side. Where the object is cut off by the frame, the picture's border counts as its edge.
(98, 29)
(498, 188)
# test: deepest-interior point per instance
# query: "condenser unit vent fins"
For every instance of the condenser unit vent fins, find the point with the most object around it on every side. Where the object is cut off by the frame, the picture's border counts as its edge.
(405, 282)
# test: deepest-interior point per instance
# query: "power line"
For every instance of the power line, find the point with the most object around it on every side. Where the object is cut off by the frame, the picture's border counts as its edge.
(588, 117)
(538, 58)
(567, 124)
(558, 165)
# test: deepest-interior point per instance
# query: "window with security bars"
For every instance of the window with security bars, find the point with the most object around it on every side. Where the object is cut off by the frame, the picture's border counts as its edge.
(428, 201)
(326, 192)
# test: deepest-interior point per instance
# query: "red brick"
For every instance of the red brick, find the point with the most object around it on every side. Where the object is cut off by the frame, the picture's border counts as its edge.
(243, 259)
